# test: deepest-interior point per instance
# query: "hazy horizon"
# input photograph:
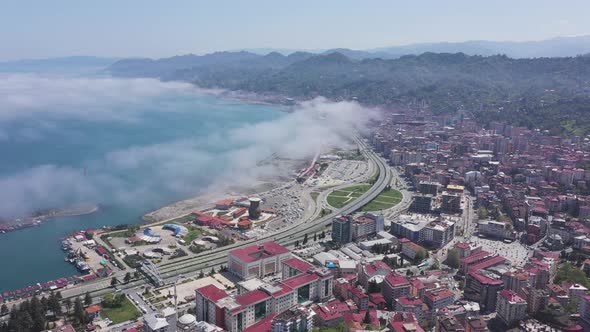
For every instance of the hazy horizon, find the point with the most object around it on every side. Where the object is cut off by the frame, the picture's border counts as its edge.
(131, 29)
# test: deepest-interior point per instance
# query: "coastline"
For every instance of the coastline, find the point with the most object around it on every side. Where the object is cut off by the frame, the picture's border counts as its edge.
(37, 219)
(199, 202)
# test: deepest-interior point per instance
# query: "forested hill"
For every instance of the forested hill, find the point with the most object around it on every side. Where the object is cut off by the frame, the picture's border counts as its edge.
(550, 93)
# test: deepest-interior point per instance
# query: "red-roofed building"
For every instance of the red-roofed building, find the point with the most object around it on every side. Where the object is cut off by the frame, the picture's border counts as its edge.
(314, 285)
(330, 314)
(411, 304)
(239, 212)
(224, 204)
(482, 289)
(360, 316)
(439, 299)
(257, 260)
(263, 325)
(359, 297)
(92, 311)
(204, 219)
(417, 287)
(249, 308)
(207, 307)
(404, 322)
(244, 224)
(295, 266)
(395, 286)
(449, 324)
(489, 262)
(377, 301)
(475, 324)
(371, 270)
(474, 258)
(511, 307)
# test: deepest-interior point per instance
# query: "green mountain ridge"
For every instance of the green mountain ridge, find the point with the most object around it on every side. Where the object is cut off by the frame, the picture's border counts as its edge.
(539, 93)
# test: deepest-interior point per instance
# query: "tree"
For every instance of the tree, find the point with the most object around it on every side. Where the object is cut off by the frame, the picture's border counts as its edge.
(53, 304)
(367, 319)
(373, 287)
(305, 239)
(482, 213)
(212, 272)
(420, 255)
(323, 235)
(201, 274)
(87, 299)
(127, 277)
(315, 237)
(296, 243)
(453, 258)
(79, 311)
(114, 281)
(4, 309)
(68, 304)
(37, 314)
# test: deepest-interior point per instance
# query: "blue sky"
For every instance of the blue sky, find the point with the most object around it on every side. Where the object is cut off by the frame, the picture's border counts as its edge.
(36, 29)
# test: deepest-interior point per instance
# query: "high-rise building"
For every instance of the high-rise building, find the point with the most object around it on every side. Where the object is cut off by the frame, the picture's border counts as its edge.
(254, 208)
(510, 307)
(584, 307)
(342, 229)
(451, 202)
(421, 203)
(394, 286)
(257, 260)
(208, 308)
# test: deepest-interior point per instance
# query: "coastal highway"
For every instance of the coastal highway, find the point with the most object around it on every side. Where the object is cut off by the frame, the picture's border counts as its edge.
(207, 260)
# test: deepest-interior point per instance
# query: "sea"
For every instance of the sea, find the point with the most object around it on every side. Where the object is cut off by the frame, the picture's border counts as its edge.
(130, 156)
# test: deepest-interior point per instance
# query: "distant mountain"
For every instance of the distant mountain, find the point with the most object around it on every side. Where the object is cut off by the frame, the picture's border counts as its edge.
(546, 93)
(556, 47)
(72, 64)
(167, 68)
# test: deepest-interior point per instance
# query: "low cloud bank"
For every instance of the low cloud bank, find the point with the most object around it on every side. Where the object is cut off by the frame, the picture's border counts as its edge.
(153, 173)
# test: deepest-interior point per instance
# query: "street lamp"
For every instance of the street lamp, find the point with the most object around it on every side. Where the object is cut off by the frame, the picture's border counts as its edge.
(180, 276)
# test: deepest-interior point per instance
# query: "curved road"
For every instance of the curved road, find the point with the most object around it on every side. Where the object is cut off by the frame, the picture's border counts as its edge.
(208, 260)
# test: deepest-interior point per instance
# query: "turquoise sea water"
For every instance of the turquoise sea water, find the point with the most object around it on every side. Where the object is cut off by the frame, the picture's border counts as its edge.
(170, 149)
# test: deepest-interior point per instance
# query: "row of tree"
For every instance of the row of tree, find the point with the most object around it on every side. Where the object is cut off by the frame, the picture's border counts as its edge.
(37, 314)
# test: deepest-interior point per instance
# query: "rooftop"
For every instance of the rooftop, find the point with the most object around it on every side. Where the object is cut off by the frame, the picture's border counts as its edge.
(395, 280)
(259, 251)
(252, 298)
(298, 264)
(511, 296)
(300, 280)
(212, 293)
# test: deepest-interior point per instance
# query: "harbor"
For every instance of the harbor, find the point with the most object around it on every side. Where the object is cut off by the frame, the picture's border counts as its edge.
(41, 216)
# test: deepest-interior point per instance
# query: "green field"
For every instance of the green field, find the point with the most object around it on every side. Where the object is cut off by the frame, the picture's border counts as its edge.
(193, 233)
(341, 197)
(387, 199)
(125, 312)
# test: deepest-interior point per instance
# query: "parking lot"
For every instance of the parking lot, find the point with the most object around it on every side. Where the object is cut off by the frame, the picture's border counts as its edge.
(342, 171)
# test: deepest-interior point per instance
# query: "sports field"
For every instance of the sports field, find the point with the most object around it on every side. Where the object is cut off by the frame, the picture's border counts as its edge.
(386, 200)
(341, 197)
